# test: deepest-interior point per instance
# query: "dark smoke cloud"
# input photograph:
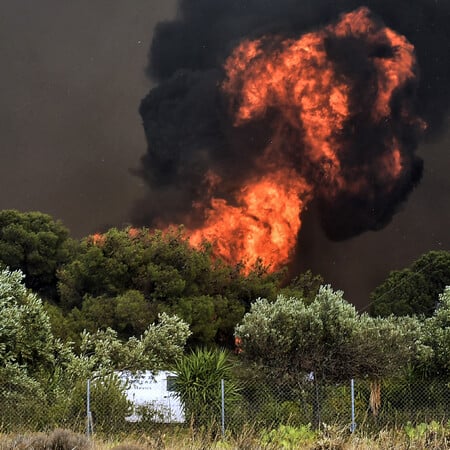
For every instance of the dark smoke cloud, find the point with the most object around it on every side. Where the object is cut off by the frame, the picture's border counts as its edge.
(189, 130)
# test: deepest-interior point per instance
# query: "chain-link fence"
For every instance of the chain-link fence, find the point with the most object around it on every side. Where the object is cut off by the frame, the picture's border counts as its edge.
(109, 405)
(363, 404)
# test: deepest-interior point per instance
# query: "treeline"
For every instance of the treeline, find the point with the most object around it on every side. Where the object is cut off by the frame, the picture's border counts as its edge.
(122, 279)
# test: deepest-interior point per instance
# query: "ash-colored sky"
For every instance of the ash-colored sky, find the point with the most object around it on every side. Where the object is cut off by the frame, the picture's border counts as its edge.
(72, 77)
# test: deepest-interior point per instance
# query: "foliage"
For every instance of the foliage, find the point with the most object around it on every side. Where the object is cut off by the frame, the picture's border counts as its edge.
(108, 403)
(60, 326)
(122, 278)
(160, 265)
(21, 397)
(37, 245)
(103, 352)
(426, 434)
(436, 336)
(414, 290)
(289, 437)
(132, 313)
(404, 397)
(129, 314)
(327, 338)
(27, 342)
(29, 354)
(210, 317)
(198, 385)
(38, 373)
(26, 339)
(305, 286)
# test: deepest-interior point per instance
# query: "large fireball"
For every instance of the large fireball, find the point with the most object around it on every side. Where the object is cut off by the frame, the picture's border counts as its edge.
(333, 102)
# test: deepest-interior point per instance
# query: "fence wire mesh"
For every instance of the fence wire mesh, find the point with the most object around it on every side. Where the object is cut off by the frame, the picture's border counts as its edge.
(108, 408)
(375, 405)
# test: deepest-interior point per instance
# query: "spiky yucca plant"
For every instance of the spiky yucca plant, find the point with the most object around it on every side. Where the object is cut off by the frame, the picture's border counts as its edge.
(198, 385)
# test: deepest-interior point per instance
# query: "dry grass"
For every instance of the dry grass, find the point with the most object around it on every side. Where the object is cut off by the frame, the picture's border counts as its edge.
(248, 439)
(58, 439)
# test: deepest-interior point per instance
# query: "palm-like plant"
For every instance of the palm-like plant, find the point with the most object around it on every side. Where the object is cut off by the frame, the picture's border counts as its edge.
(198, 385)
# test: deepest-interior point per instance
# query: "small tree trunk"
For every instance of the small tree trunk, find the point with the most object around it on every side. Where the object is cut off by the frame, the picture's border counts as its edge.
(375, 396)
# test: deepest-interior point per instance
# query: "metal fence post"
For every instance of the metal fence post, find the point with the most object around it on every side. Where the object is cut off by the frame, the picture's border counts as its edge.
(222, 385)
(352, 393)
(89, 424)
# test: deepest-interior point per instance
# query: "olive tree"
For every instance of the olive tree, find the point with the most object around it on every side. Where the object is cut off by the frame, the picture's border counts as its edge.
(327, 338)
(325, 341)
(437, 338)
(25, 332)
(27, 350)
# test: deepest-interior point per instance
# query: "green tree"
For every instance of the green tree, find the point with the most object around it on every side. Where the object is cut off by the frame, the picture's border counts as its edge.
(37, 245)
(96, 313)
(211, 318)
(290, 339)
(133, 313)
(162, 266)
(60, 325)
(105, 266)
(129, 314)
(122, 276)
(103, 352)
(43, 377)
(306, 286)
(29, 354)
(414, 290)
(437, 338)
(25, 331)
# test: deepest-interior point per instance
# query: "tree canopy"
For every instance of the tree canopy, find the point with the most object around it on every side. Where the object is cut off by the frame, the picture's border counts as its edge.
(328, 338)
(437, 338)
(37, 245)
(26, 340)
(123, 278)
(414, 290)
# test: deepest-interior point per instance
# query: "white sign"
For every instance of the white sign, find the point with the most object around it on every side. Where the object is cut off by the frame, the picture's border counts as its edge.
(153, 397)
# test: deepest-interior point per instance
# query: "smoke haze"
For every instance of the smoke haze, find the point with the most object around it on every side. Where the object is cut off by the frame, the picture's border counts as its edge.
(73, 74)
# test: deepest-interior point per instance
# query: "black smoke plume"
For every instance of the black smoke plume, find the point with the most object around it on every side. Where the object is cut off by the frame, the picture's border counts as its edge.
(187, 119)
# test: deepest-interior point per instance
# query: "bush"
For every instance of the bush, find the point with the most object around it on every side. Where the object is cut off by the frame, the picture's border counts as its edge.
(108, 404)
(288, 437)
(198, 385)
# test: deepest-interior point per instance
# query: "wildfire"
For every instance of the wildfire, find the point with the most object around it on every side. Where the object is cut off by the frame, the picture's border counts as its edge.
(315, 101)
(264, 224)
(97, 239)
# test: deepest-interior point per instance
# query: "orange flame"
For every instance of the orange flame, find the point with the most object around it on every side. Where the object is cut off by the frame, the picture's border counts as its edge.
(133, 232)
(298, 79)
(263, 225)
(98, 239)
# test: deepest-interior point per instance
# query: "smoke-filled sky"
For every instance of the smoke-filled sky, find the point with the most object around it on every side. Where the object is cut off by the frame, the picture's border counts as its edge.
(73, 76)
